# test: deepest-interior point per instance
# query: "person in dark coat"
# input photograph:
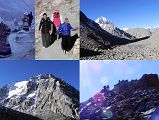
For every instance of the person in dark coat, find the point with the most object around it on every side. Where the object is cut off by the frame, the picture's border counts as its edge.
(30, 15)
(5, 49)
(65, 32)
(46, 28)
(25, 22)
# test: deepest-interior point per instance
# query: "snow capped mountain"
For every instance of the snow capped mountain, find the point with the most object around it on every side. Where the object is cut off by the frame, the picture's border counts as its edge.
(42, 93)
(102, 20)
(108, 26)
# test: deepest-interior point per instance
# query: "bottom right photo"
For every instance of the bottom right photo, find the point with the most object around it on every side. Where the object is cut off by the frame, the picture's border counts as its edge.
(119, 90)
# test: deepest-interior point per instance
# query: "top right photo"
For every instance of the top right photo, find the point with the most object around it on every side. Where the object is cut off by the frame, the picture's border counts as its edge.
(119, 30)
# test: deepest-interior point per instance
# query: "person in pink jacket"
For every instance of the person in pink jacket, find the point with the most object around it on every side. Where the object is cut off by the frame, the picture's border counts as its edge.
(56, 19)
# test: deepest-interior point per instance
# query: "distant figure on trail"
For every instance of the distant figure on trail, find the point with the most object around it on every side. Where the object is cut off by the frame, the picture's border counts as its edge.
(25, 22)
(56, 19)
(16, 25)
(65, 32)
(30, 15)
(5, 49)
(46, 28)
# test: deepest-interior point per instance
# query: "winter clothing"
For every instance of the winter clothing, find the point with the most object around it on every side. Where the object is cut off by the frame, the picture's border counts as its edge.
(45, 27)
(30, 19)
(65, 33)
(65, 44)
(56, 19)
(26, 23)
(65, 29)
(68, 42)
(5, 49)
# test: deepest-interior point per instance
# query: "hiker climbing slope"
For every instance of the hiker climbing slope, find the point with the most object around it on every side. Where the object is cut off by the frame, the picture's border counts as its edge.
(65, 32)
(5, 49)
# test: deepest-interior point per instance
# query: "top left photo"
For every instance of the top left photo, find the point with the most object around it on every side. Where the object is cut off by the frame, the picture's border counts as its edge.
(17, 30)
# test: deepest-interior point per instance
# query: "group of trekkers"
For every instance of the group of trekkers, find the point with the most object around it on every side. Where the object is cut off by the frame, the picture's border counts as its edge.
(54, 29)
(26, 20)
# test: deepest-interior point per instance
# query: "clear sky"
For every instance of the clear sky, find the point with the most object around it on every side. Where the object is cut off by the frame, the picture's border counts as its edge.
(22, 70)
(95, 74)
(124, 13)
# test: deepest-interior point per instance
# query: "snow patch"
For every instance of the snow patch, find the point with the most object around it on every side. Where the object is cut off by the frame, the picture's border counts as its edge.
(126, 29)
(88, 104)
(149, 111)
(17, 89)
(31, 95)
(102, 20)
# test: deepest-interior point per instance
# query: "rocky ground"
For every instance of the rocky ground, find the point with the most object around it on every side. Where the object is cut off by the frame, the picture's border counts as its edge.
(147, 49)
(69, 9)
(128, 100)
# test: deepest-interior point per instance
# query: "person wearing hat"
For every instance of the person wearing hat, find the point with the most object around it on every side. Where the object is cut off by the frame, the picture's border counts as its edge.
(46, 28)
(65, 32)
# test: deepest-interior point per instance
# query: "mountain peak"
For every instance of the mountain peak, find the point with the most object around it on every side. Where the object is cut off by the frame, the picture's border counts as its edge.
(102, 20)
(43, 76)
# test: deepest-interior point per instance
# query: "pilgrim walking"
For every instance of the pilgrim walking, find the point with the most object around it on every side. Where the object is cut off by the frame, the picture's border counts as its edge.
(46, 28)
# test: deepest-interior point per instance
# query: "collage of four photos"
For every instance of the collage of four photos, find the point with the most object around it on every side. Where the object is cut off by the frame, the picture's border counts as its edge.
(79, 60)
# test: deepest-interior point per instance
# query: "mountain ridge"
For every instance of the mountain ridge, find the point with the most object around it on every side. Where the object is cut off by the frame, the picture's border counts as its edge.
(135, 99)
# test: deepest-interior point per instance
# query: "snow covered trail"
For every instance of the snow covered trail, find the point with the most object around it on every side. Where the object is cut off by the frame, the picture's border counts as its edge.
(22, 46)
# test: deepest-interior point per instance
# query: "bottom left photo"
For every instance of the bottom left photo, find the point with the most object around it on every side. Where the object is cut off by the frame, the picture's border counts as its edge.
(39, 90)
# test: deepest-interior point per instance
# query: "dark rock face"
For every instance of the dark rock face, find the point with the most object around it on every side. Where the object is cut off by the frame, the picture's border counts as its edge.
(129, 100)
(5, 49)
(44, 96)
(9, 114)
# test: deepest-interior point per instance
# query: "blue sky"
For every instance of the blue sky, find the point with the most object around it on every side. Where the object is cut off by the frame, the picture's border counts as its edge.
(22, 70)
(95, 74)
(124, 13)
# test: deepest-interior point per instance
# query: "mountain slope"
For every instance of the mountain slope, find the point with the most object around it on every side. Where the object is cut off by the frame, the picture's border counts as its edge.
(139, 32)
(42, 93)
(128, 100)
(9, 114)
(94, 39)
(108, 26)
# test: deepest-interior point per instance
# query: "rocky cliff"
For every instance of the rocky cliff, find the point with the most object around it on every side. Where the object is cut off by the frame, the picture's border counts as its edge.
(128, 100)
(44, 96)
